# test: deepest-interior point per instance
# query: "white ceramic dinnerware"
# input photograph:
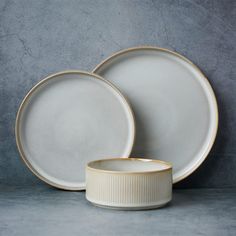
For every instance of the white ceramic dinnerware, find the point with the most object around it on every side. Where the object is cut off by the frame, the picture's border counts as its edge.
(129, 183)
(174, 105)
(68, 119)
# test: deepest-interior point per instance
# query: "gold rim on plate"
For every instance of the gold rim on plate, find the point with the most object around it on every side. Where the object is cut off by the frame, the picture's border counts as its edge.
(204, 156)
(23, 104)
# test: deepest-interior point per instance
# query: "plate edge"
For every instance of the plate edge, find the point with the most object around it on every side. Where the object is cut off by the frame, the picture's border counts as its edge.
(146, 47)
(27, 96)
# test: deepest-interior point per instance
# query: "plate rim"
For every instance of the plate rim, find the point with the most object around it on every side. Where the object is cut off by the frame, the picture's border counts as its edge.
(205, 80)
(24, 103)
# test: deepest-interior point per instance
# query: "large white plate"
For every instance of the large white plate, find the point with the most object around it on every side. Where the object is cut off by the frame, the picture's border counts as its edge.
(68, 119)
(174, 105)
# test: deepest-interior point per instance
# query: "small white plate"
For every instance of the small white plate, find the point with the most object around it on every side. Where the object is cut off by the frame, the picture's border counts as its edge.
(175, 107)
(68, 119)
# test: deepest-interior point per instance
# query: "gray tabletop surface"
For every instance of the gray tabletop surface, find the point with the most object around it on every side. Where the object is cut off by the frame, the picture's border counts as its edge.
(41, 210)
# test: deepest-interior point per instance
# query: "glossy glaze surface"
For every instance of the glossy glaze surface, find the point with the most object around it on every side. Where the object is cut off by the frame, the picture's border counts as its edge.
(173, 102)
(68, 119)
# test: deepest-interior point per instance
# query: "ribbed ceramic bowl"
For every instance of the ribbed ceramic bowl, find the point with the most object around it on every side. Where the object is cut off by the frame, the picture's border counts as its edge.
(129, 183)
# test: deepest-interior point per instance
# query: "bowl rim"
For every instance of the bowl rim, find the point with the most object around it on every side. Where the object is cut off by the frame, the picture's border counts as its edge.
(168, 168)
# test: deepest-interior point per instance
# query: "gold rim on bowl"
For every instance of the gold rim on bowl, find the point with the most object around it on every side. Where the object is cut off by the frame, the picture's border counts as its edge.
(169, 166)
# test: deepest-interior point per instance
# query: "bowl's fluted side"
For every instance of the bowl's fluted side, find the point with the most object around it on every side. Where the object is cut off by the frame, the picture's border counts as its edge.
(128, 189)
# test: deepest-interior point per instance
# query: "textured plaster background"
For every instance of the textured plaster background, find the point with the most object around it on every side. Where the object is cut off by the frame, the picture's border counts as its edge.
(38, 38)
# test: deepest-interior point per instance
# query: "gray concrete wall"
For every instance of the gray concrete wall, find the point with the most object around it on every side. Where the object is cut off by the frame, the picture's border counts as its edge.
(38, 38)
